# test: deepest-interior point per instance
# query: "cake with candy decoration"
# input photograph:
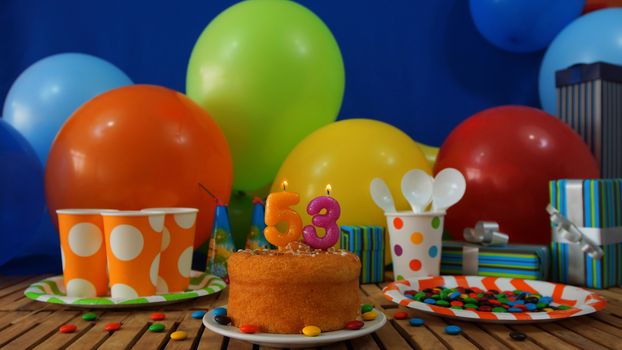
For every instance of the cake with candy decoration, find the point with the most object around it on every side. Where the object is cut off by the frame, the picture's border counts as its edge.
(285, 290)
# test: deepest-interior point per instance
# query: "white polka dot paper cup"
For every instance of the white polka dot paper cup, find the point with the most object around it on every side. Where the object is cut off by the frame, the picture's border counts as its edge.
(133, 244)
(177, 248)
(83, 250)
(415, 240)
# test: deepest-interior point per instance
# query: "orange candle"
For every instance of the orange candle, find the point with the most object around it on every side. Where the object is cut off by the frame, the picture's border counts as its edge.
(278, 210)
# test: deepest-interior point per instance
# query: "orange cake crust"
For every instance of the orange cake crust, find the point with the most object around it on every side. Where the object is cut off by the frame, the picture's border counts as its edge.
(284, 291)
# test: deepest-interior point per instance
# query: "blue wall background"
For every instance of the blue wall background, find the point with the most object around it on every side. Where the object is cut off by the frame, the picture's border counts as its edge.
(419, 65)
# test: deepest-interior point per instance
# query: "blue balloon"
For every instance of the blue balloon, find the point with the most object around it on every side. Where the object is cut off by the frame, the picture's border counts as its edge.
(594, 37)
(49, 91)
(21, 192)
(523, 25)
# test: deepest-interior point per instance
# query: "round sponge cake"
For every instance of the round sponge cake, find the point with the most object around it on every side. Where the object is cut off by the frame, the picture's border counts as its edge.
(283, 291)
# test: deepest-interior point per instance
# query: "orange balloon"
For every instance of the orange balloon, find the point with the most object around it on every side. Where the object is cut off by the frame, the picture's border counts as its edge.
(137, 147)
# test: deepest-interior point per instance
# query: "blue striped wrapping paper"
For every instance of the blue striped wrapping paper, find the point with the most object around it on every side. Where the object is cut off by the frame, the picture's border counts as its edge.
(588, 100)
(367, 242)
(601, 208)
(511, 260)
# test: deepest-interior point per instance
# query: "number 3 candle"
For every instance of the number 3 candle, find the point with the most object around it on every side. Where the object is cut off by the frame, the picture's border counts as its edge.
(277, 210)
(327, 220)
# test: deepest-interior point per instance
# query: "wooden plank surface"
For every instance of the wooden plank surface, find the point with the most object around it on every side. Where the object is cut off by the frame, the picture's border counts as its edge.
(25, 324)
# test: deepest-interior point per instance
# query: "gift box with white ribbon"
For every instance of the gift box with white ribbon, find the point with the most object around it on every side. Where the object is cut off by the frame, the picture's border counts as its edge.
(586, 218)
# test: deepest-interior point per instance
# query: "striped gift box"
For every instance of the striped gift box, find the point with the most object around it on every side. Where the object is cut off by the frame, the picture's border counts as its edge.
(512, 261)
(367, 242)
(588, 100)
(595, 206)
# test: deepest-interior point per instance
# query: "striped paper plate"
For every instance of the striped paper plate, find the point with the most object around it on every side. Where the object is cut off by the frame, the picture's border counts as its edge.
(52, 290)
(582, 301)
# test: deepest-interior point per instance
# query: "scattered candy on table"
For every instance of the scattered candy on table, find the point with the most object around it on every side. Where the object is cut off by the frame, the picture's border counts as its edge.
(179, 335)
(355, 325)
(198, 314)
(453, 330)
(157, 316)
(400, 315)
(519, 336)
(416, 322)
(89, 316)
(68, 328)
(475, 299)
(222, 319)
(366, 308)
(311, 331)
(219, 311)
(371, 315)
(112, 326)
(248, 328)
(156, 327)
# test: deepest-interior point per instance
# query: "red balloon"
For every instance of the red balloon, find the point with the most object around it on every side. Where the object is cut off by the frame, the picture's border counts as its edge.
(136, 147)
(594, 5)
(508, 155)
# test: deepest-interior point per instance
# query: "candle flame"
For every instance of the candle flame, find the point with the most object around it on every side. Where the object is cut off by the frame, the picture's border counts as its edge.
(284, 185)
(328, 189)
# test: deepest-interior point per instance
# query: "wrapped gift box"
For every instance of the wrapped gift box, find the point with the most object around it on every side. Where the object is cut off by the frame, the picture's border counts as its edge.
(588, 100)
(368, 243)
(595, 207)
(511, 260)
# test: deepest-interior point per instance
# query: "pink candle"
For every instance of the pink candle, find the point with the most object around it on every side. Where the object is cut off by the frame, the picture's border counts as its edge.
(326, 220)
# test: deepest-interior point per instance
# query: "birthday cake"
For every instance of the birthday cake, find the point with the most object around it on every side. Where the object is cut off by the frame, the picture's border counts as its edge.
(283, 291)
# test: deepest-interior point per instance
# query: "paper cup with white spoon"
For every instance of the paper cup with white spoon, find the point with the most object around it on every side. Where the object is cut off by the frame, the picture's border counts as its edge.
(416, 236)
(449, 187)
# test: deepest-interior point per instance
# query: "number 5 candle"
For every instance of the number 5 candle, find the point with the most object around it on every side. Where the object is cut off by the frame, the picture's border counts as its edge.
(327, 220)
(278, 210)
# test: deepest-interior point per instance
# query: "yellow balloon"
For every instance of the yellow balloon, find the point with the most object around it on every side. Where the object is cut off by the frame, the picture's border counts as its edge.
(430, 152)
(347, 155)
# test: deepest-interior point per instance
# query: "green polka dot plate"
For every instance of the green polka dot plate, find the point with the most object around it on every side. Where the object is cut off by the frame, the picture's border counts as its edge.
(52, 290)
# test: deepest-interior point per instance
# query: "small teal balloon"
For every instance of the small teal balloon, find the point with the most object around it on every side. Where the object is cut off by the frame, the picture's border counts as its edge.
(594, 37)
(49, 91)
(21, 192)
(523, 25)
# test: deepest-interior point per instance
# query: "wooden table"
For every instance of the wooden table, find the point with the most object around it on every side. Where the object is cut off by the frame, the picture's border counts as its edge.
(26, 324)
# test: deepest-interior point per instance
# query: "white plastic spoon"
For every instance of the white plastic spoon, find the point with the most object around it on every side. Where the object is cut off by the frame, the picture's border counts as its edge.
(417, 188)
(381, 195)
(449, 187)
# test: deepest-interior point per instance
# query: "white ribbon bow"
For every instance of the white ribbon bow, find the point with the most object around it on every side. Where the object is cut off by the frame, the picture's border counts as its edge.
(572, 233)
(485, 233)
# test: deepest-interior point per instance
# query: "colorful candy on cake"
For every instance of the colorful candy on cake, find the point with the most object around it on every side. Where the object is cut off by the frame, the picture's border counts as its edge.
(301, 287)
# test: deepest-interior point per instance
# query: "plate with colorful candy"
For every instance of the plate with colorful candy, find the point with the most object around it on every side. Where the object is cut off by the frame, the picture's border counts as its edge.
(218, 322)
(493, 299)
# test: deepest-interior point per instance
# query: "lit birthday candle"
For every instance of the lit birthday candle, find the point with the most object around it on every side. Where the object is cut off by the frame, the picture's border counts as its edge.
(278, 210)
(326, 220)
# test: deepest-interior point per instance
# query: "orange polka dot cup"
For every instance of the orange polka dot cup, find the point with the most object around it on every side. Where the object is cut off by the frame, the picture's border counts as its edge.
(176, 250)
(83, 250)
(415, 242)
(133, 244)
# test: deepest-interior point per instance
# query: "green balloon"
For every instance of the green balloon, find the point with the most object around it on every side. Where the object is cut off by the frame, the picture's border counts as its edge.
(241, 213)
(240, 217)
(269, 72)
